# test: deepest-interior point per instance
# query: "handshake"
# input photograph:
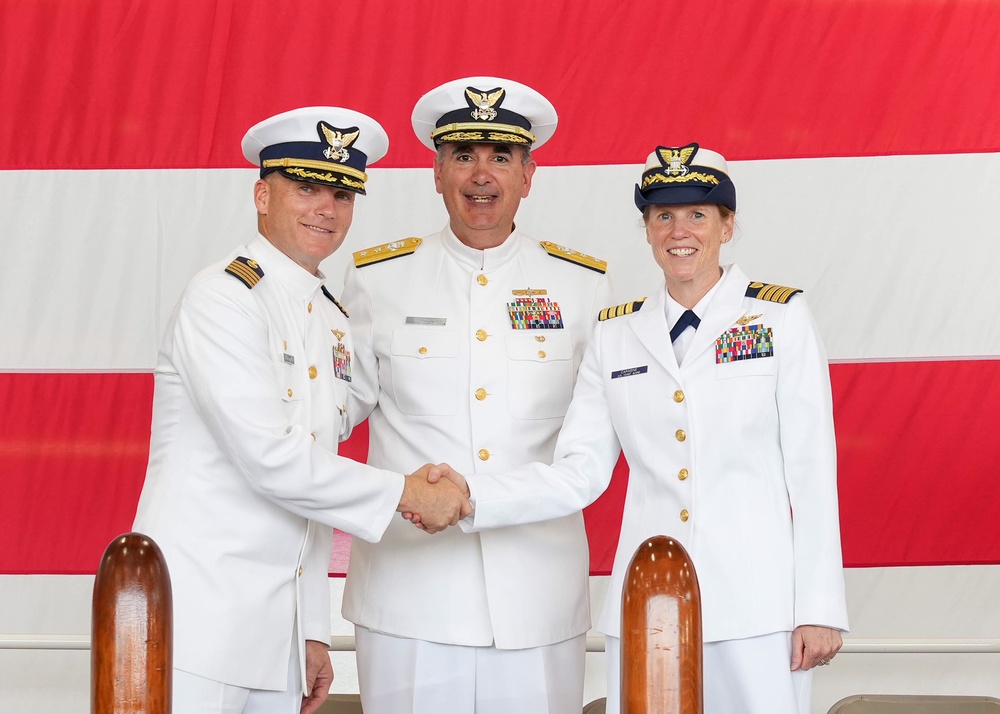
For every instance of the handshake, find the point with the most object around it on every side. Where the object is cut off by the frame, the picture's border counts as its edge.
(434, 497)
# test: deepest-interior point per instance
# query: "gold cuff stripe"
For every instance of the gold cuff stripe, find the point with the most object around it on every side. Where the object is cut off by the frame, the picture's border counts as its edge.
(318, 165)
(618, 310)
(481, 129)
(693, 176)
(394, 249)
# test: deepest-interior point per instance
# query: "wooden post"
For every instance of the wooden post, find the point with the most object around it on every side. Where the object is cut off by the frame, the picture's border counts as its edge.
(661, 632)
(131, 656)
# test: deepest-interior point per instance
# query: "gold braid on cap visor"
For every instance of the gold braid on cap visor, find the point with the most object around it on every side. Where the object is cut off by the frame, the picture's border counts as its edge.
(658, 177)
(318, 165)
(472, 131)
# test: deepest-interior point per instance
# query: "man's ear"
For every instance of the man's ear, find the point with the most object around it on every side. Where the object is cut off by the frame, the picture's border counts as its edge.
(261, 195)
(529, 171)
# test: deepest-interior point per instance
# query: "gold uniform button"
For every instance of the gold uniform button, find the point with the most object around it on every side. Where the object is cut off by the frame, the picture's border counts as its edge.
(482, 280)
(300, 571)
(313, 435)
(422, 350)
(682, 474)
(685, 515)
(484, 454)
(310, 307)
(678, 396)
(481, 335)
(541, 354)
(289, 392)
(681, 436)
(312, 372)
(480, 394)
(540, 338)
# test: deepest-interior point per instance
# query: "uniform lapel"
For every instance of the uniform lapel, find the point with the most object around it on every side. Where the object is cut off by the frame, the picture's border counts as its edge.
(650, 327)
(725, 308)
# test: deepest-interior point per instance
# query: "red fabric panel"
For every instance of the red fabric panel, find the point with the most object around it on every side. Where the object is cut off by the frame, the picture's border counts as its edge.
(916, 446)
(73, 451)
(176, 83)
(918, 454)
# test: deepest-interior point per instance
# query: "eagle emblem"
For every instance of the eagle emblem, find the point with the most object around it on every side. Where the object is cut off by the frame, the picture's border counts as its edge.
(338, 140)
(676, 160)
(483, 103)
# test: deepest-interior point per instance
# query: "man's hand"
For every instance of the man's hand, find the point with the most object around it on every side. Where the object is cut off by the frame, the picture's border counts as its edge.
(319, 676)
(432, 503)
(433, 476)
(813, 645)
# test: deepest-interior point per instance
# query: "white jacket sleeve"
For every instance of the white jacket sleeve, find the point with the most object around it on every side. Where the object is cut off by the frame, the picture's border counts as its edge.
(809, 452)
(219, 347)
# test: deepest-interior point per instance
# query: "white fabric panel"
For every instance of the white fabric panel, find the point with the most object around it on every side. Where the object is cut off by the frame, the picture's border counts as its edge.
(896, 254)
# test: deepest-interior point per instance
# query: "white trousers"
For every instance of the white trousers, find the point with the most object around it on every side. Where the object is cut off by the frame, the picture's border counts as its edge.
(750, 676)
(197, 695)
(400, 676)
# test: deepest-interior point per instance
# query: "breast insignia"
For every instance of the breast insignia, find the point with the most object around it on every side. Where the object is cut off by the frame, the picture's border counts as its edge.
(246, 270)
(558, 251)
(386, 251)
(619, 310)
(771, 293)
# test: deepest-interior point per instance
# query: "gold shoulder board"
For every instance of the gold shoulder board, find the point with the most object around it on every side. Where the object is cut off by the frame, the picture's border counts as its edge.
(246, 270)
(619, 310)
(386, 251)
(557, 251)
(771, 293)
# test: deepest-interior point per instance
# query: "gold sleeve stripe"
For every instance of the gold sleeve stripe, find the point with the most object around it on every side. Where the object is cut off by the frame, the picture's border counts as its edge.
(558, 251)
(386, 251)
(619, 310)
(771, 293)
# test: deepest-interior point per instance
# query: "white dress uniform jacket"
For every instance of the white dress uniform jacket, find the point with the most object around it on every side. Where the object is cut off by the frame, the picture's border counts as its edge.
(243, 482)
(458, 383)
(736, 460)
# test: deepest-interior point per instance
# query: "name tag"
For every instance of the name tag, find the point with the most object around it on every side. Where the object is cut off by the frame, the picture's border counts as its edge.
(426, 320)
(289, 359)
(630, 372)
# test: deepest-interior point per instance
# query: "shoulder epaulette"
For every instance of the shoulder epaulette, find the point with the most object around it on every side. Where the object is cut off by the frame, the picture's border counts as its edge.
(386, 251)
(771, 293)
(246, 271)
(557, 251)
(619, 310)
(332, 299)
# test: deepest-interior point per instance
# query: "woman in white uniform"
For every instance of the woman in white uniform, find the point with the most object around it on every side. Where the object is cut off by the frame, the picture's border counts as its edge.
(717, 389)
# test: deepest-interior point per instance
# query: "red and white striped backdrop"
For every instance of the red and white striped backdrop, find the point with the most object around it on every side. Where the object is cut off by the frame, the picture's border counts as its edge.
(862, 137)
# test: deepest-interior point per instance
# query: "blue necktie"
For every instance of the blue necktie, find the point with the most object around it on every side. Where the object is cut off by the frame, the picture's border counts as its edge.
(688, 318)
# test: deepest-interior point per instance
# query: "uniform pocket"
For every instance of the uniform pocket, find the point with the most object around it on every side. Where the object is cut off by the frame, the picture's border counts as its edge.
(756, 367)
(539, 374)
(425, 370)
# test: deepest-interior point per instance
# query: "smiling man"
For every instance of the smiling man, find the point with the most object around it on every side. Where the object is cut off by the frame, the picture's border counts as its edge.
(474, 336)
(244, 484)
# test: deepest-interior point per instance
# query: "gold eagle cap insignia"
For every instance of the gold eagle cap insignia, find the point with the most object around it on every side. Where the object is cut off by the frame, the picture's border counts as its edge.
(338, 140)
(483, 102)
(676, 160)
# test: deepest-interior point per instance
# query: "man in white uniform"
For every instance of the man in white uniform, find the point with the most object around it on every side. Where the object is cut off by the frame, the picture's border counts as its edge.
(244, 482)
(476, 334)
